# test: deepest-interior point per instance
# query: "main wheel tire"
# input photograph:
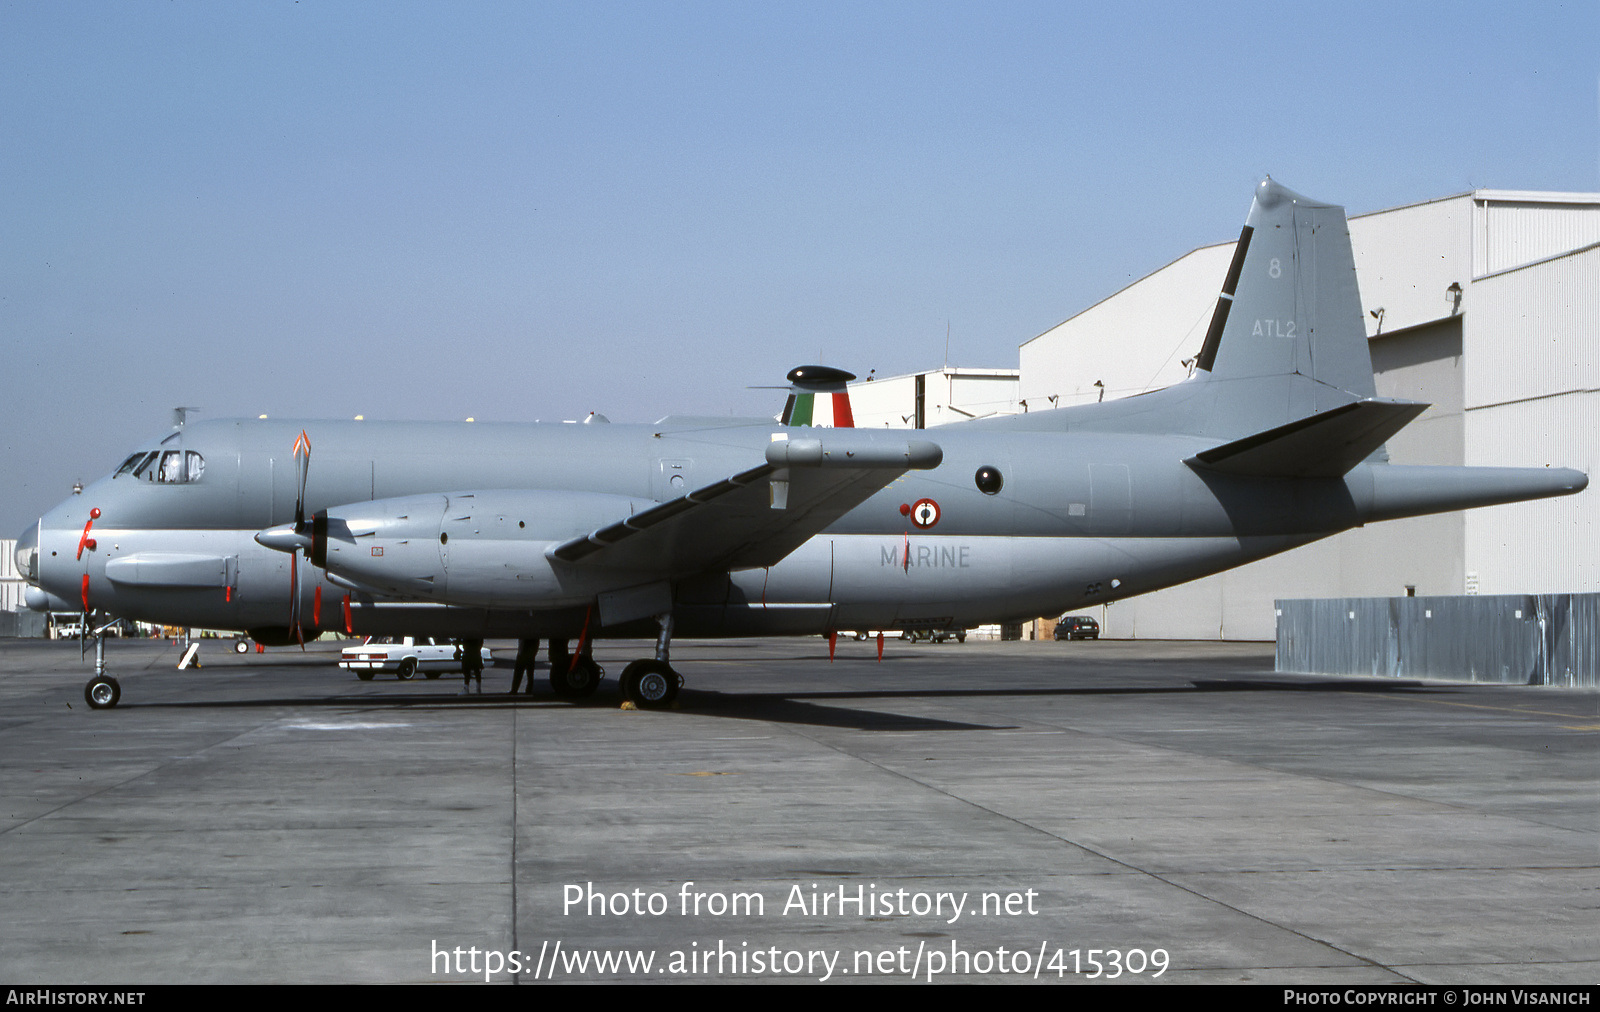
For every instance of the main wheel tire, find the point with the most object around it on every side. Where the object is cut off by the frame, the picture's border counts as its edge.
(407, 669)
(558, 677)
(102, 692)
(650, 685)
(241, 647)
(585, 678)
(575, 681)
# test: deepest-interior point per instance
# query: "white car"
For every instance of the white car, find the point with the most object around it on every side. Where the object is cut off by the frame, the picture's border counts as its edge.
(404, 655)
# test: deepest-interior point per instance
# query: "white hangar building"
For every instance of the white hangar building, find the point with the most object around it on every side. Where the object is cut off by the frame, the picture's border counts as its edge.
(1484, 304)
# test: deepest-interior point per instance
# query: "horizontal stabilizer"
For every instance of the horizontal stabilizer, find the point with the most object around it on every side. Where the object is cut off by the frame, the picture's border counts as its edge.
(1324, 445)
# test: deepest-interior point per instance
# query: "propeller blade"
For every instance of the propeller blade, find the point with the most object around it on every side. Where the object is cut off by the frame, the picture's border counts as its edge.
(294, 597)
(302, 455)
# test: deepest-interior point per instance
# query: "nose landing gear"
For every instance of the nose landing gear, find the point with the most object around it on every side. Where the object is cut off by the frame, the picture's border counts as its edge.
(102, 692)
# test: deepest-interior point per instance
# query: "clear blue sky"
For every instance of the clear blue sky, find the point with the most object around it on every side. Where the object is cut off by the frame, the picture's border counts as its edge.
(520, 211)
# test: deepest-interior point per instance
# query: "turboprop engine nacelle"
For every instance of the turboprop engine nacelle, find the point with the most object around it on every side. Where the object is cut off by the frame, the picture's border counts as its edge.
(482, 548)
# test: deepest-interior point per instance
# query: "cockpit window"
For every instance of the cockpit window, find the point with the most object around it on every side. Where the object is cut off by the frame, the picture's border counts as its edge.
(180, 466)
(135, 464)
(169, 467)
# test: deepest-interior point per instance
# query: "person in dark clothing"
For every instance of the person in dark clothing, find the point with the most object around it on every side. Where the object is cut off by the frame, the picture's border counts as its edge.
(472, 663)
(527, 651)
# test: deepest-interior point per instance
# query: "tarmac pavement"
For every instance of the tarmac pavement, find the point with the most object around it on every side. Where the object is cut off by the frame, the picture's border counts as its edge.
(982, 811)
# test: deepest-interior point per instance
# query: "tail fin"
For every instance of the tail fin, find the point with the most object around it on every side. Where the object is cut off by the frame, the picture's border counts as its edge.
(1289, 305)
(1286, 344)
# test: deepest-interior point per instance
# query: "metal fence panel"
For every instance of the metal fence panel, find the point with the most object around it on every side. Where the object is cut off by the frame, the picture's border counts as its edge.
(1518, 639)
(30, 624)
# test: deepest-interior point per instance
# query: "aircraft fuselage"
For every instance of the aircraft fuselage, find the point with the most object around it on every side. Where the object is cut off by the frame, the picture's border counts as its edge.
(1079, 518)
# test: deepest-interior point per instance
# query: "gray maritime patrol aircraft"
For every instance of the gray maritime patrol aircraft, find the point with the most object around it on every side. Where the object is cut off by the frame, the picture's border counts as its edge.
(756, 527)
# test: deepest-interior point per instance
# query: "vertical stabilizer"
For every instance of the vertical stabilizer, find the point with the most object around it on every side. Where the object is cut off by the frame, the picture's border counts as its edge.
(1289, 303)
(1286, 344)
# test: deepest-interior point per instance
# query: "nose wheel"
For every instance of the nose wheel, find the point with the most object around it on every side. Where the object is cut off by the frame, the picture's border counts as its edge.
(102, 692)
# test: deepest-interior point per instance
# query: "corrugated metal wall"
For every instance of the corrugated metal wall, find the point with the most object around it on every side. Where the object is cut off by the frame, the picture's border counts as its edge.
(1532, 332)
(1509, 233)
(1552, 544)
(1133, 341)
(1518, 639)
(11, 584)
(1532, 353)
(1407, 258)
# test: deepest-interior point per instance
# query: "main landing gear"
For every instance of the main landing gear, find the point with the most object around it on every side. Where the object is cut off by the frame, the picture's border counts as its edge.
(652, 684)
(573, 678)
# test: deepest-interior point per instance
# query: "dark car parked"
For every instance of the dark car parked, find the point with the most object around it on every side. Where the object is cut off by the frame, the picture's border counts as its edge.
(1077, 627)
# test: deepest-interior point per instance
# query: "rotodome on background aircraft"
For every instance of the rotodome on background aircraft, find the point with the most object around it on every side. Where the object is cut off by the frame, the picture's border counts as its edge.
(742, 527)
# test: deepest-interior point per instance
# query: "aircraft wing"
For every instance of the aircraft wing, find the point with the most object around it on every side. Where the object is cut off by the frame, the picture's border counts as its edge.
(758, 516)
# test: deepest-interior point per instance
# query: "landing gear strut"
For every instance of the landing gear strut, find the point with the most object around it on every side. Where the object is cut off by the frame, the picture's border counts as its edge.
(652, 684)
(102, 692)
